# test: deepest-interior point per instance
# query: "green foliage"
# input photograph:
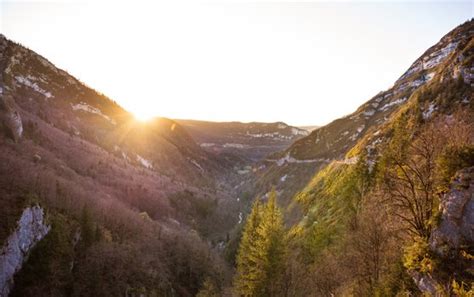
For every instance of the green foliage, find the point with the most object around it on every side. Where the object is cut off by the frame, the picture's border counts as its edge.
(452, 159)
(232, 246)
(48, 269)
(462, 290)
(88, 230)
(246, 280)
(397, 282)
(261, 256)
(331, 201)
(419, 257)
(208, 289)
(197, 211)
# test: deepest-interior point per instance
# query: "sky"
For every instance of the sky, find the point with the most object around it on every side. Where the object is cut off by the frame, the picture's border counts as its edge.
(303, 63)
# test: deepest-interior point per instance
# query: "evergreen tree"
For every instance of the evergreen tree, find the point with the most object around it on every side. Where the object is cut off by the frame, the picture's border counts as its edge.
(260, 261)
(208, 289)
(271, 248)
(246, 278)
(87, 227)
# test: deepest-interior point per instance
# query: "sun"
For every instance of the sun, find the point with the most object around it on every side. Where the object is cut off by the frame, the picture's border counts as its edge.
(143, 115)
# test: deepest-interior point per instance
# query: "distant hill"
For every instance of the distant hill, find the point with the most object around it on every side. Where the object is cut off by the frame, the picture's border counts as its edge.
(251, 141)
(309, 128)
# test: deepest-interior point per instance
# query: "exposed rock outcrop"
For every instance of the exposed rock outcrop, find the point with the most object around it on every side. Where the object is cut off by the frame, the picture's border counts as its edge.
(30, 230)
(10, 120)
(425, 282)
(455, 232)
(456, 227)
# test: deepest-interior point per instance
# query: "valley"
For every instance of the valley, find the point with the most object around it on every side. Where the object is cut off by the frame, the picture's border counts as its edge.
(377, 203)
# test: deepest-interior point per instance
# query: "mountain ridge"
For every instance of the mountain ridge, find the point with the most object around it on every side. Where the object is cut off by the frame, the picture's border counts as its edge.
(334, 140)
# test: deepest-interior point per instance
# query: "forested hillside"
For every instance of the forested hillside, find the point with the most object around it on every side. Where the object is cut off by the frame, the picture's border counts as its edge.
(389, 211)
(111, 205)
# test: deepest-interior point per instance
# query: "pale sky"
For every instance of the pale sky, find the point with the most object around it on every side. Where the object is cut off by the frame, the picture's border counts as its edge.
(304, 63)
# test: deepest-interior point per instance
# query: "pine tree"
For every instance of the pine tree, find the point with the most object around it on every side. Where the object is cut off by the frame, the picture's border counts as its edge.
(260, 261)
(246, 277)
(87, 227)
(271, 248)
(208, 289)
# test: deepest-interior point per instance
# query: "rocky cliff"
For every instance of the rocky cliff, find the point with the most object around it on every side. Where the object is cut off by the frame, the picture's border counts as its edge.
(30, 230)
(451, 242)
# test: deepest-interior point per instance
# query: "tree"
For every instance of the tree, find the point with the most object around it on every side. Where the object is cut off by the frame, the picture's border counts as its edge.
(271, 247)
(414, 167)
(245, 280)
(261, 256)
(208, 289)
(88, 231)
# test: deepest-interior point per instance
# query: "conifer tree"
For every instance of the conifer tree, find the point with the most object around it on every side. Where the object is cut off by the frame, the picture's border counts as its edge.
(87, 227)
(260, 261)
(271, 248)
(246, 278)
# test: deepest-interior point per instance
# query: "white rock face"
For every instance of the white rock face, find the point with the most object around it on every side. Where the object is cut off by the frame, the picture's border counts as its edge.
(427, 113)
(438, 56)
(457, 219)
(455, 229)
(30, 230)
(289, 159)
(16, 124)
(145, 163)
(10, 119)
(296, 131)
(233, 145)
(87, 108)
(390, 104)
(27, 82)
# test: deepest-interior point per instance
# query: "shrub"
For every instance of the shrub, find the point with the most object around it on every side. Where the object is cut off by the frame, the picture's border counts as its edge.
(418, 257)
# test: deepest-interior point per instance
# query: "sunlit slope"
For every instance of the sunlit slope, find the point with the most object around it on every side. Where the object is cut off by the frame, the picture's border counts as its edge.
(447, 63)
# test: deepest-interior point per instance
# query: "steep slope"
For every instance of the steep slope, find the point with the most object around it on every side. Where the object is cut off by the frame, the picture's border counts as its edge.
(40, 89)
(142, 188)
(388, 211)
(450, 59)
(50, 106)
(250, 141)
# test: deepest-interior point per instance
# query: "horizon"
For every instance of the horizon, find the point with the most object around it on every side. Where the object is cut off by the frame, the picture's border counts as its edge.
(283, 55)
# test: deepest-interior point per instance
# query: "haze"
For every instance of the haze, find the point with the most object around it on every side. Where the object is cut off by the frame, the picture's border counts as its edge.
(303, 63)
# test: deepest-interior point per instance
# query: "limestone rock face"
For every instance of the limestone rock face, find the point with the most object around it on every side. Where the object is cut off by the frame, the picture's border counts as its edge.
(425, 282)
(30, 230)
(457, 220)
(10, 120)
(454, 232)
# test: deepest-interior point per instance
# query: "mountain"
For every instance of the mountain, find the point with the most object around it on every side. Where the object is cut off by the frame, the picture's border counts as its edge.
(450, 59)
(250, 141)
(75, 162)
(377, 203)
(309, 128)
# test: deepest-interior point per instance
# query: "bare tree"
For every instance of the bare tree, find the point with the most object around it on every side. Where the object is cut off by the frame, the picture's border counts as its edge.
(410, 173)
